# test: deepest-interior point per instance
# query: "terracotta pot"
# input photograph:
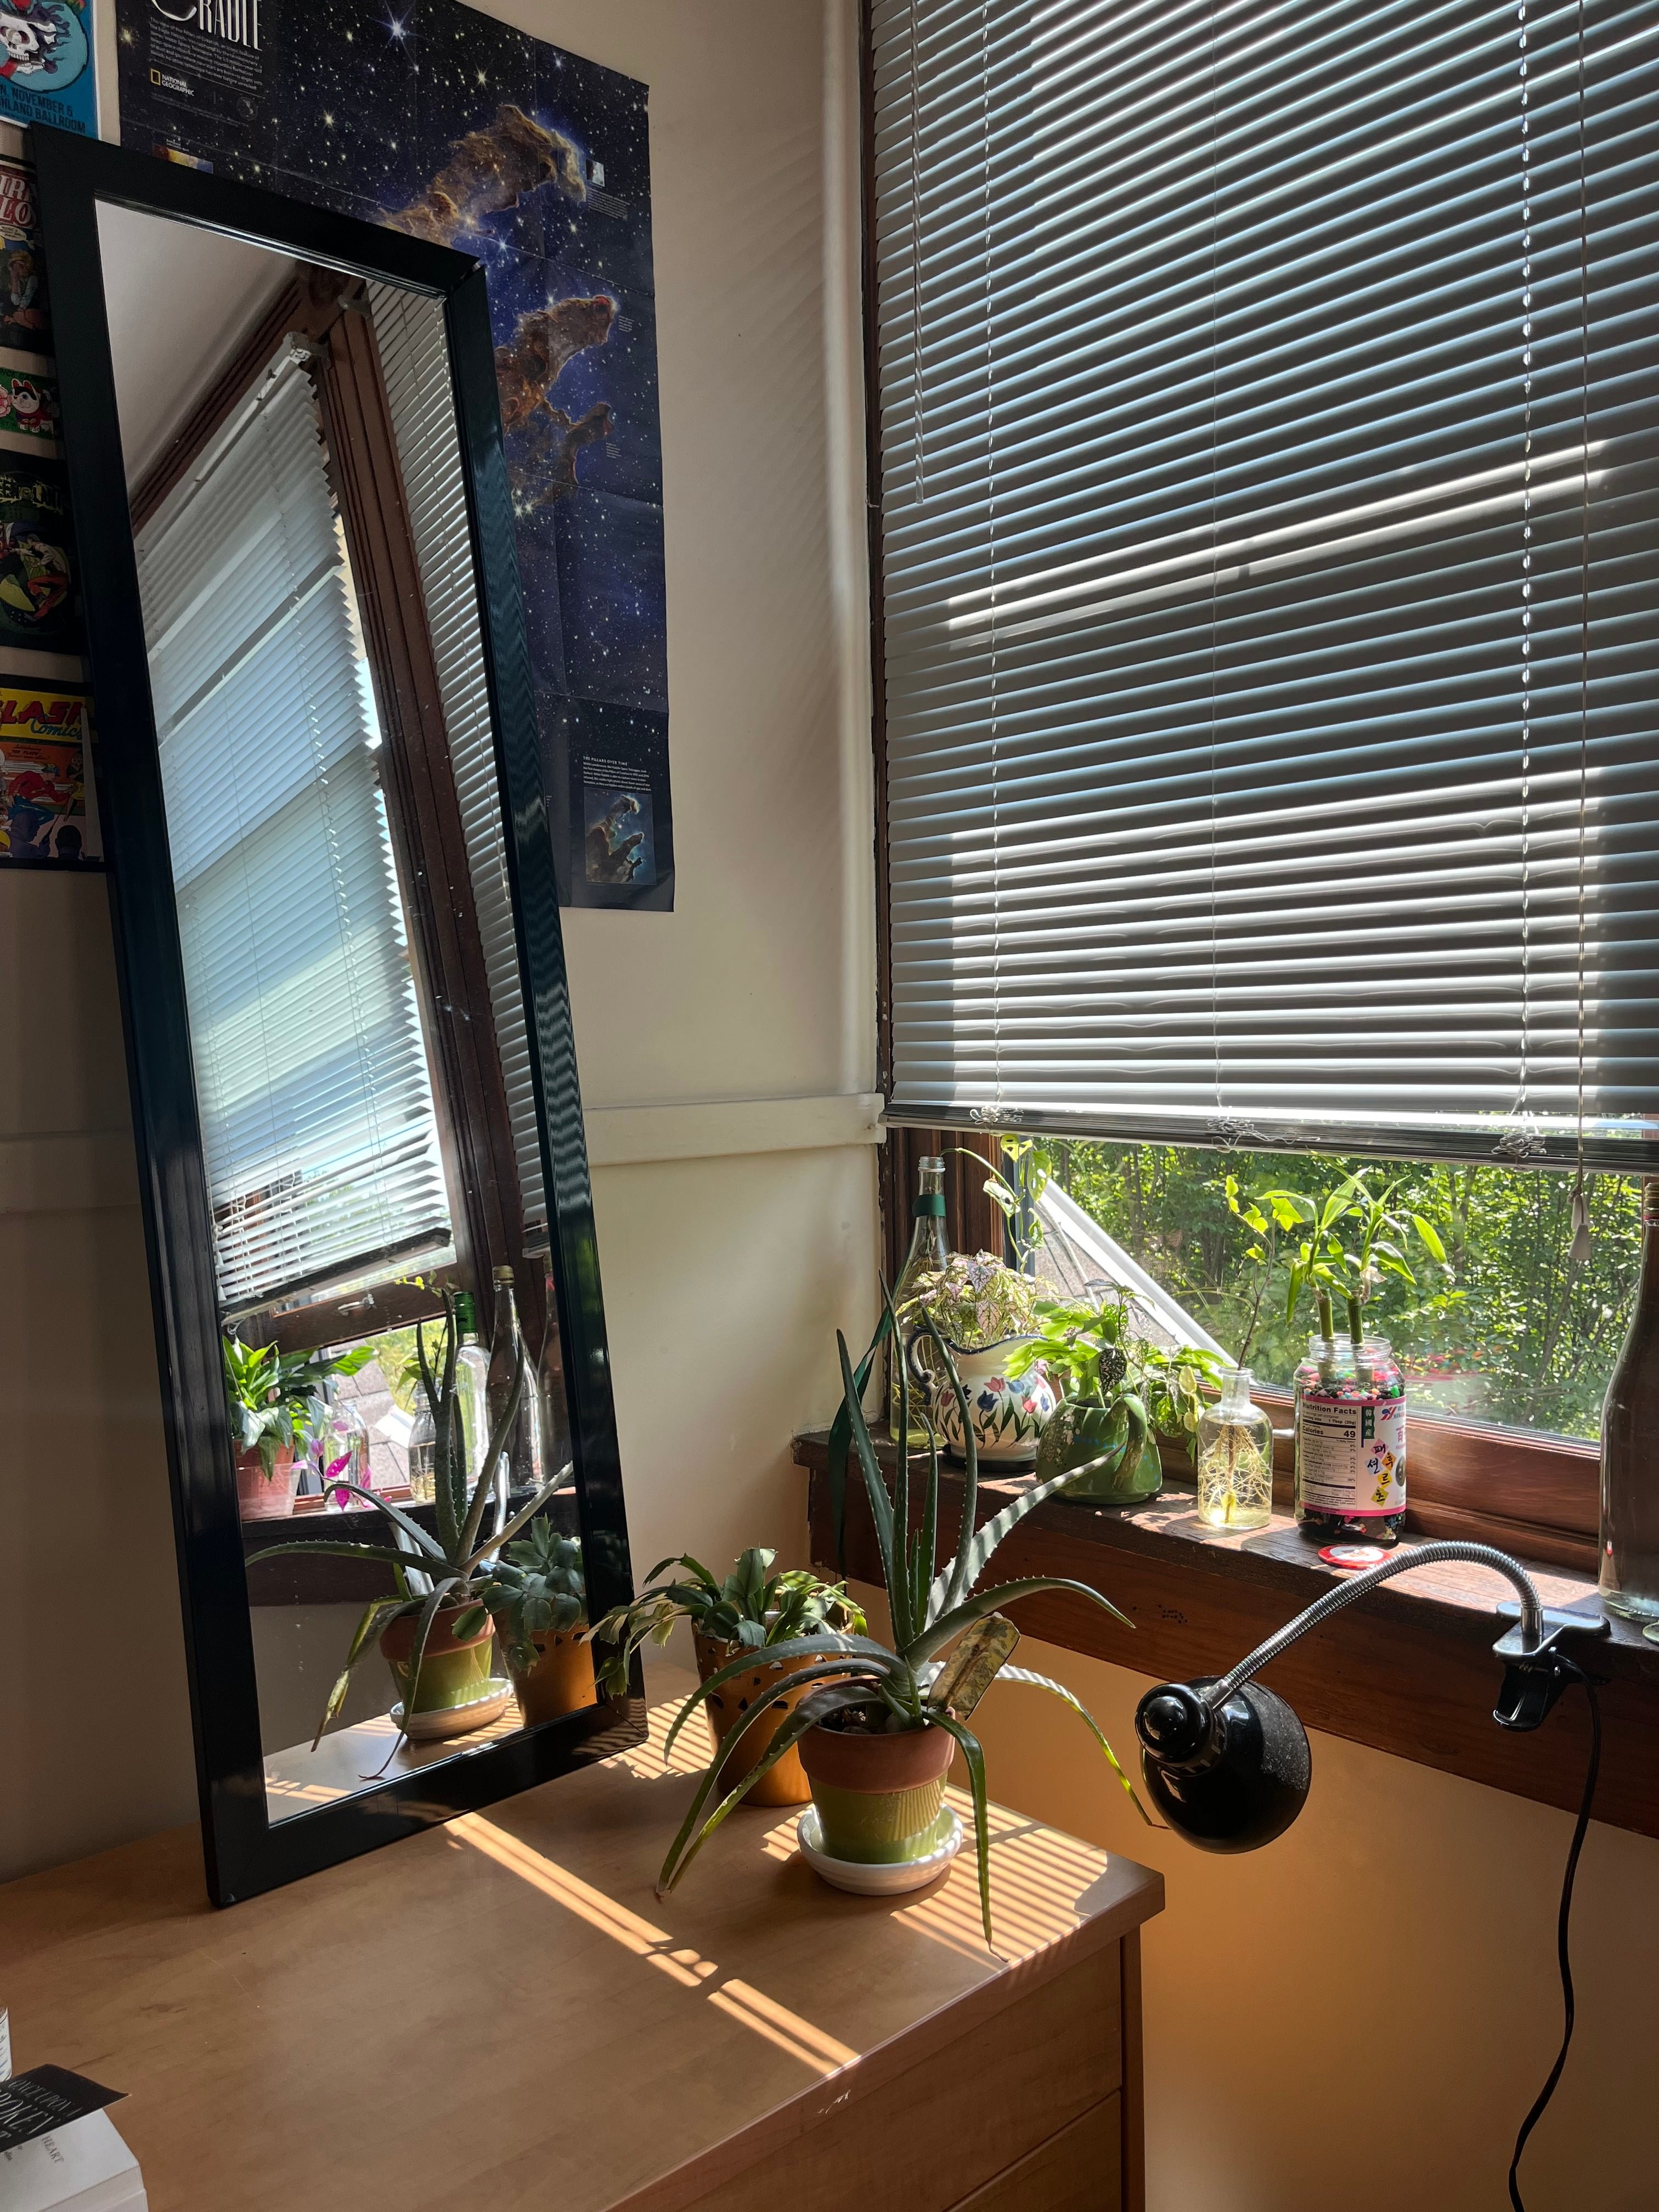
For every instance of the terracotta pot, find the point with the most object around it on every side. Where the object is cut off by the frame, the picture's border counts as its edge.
(453, 1672)
(562, 1680)
(880, 1799)
(786, 1783)
(261, 1497)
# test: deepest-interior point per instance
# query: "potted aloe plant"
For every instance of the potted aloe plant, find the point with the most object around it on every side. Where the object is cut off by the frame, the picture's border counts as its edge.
(752, 1612)
(435, 1631)
(875, 1743)
(537, 1596)
(276, 1405)
(983, 1313)
(1119, 1393)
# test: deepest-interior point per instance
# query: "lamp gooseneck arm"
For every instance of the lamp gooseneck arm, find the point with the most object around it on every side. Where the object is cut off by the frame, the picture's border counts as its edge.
(1420, 1555)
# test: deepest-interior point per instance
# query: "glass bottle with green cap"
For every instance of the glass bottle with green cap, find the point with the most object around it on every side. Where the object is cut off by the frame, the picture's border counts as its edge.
(929, 1250)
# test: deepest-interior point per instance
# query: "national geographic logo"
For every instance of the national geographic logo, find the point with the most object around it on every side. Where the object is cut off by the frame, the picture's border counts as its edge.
(236, 21)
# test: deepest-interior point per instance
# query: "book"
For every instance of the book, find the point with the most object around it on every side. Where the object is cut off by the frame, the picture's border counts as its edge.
(82, 2167)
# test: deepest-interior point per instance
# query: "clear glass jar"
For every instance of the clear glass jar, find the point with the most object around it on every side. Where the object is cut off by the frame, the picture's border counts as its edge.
(423, 1440)
(1350, 1442)
(1235, 1458)
(341, 1450)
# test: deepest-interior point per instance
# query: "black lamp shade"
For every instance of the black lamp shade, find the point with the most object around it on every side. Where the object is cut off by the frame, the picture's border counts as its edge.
(1229, 1779)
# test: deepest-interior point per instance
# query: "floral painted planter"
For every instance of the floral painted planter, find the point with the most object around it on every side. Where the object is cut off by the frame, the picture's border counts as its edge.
(1008, 1416)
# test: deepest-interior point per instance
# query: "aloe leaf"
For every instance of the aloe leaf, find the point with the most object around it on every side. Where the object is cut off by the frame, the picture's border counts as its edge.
(493, 1450)
(841, 1443)
(926, 1557)
(430, 1611)
(397, 1517)
(1060, 1691)
(935, 1638)
(985, 1540)
(832, 1698)
(323, 1548)
(899, 1582)
(877, 1659)
(973, 1753)
(955, 1583)
(881, 1506)
(520, 1519)
(380, 1614)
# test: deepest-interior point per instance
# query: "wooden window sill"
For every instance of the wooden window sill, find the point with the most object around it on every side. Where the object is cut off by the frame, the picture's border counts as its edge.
(1410, 1670)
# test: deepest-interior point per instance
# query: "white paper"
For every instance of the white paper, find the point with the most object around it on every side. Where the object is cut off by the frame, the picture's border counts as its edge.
(84, 2167)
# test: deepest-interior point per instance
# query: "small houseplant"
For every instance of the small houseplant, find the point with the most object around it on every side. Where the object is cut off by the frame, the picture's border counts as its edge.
(1119, 1393)
(435, 1632)
(982, 1313)
(876, 1750)
(752, 1611)
(276, 1403)
(537, 1596)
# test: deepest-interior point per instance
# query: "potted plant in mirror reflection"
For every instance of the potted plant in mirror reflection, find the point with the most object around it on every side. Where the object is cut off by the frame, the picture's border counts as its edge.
(536, 1594)
(436, 1630)
(983, 1313)
(278, 1407)
(752, 1612)
(878, 1724)
(1119, 1391)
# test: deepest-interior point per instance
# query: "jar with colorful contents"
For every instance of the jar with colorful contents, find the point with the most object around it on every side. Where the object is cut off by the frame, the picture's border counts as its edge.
(1235, 1458)
(1350, 1442)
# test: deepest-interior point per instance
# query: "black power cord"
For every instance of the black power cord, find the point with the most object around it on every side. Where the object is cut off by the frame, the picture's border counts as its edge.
(1562, 1951)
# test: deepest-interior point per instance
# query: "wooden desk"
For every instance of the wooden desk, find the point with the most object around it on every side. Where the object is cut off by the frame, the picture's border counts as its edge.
(502, 2013)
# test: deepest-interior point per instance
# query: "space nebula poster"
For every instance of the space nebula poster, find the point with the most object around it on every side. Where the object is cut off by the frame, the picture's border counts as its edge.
(441, 121)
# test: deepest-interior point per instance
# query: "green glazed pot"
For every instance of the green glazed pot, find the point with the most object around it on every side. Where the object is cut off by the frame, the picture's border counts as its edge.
(880, 1799)
(452, 1674)
(1077, 1433)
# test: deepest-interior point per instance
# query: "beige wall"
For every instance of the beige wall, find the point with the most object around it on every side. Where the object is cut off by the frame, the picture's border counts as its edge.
(726, 1263)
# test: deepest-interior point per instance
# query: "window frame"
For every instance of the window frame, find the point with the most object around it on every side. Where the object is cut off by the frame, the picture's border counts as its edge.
(1537, 1494)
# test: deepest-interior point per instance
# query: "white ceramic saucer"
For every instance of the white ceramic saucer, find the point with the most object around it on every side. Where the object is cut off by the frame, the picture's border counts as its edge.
(457, 1720)
(885, 1878)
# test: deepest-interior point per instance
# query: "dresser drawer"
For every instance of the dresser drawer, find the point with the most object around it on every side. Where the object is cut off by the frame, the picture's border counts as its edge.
(963, 2117)
(1078, 2170)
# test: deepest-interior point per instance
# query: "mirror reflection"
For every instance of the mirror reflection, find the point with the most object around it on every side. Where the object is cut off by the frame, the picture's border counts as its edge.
(393, 1378)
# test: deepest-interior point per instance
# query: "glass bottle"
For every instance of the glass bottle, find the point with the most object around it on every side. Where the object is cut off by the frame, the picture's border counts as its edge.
(1630, 1431)
(928, 1252)
(521, 1459)
(342, 1453)
(1235, 1458)
(471, 1388)
(1350, 1442)
(423, 1441)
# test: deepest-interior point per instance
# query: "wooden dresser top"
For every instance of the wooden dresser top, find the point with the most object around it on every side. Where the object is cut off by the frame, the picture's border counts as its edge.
(502, 2007)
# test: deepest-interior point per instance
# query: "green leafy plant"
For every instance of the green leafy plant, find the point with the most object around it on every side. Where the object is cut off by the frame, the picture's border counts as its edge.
(1351, 1236)
(458, 1565)
(1093, 1355)
(275, 1398)
(973, 1303)
(861, 1683)
(751, 1608)
(536, 1587)
(1018, 1195)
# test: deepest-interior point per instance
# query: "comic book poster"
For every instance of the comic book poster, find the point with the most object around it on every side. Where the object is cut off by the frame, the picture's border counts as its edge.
(45, 811)
(47, 73)
(36, 603)
(25, 314)
(28, 404)
(438, 120)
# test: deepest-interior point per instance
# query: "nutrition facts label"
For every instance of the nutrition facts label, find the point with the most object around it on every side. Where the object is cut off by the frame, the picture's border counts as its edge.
(1351, 1453)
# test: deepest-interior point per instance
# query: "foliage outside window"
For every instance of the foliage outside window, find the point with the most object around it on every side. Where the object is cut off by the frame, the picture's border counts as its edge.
(1504, 1331)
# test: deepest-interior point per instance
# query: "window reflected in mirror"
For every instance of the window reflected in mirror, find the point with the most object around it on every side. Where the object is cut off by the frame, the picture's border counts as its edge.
(393, 1375)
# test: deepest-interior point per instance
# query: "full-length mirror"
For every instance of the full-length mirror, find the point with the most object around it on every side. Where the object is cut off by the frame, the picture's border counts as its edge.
(394, 1453)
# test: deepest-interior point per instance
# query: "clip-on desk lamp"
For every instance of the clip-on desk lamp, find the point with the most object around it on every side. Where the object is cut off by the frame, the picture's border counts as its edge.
(1228, 1765)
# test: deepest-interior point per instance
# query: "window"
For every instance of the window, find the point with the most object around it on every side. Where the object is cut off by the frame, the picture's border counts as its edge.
(1268, 476)
(317, 1117)
(1266, 415)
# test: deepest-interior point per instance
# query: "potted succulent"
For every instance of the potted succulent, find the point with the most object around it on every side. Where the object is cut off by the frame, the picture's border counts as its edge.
(435, 1632)
(875, 1743)
(276, 1405)
(983, 1314)
(752, 1612)
(536, 1594)
(1119, 1393)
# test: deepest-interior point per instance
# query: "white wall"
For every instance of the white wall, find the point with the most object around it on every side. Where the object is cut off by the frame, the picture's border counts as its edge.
(725, 1272)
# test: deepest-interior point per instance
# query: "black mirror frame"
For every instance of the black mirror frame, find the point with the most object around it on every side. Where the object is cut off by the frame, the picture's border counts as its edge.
(244, 1853)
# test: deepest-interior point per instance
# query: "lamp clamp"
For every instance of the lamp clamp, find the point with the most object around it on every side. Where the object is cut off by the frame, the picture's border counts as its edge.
(1536, 1669)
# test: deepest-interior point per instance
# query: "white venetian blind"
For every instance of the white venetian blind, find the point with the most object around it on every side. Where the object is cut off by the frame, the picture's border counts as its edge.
(1269, 408)
(312, 1077)
(415, 362)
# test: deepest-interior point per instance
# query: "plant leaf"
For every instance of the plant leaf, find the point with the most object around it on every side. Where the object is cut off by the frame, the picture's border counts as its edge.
(380, 1614)
(1431, 1237)
(985, 1540)
(973, 1753)
(430, 1608)
(493, 1450)
(840, 1439)
(832, 1698)
(934, 1639)
(881, 1506)
(1060, 1691)
(877, 1659)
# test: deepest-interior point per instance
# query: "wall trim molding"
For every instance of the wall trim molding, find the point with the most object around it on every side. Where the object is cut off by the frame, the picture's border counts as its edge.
(726, 1129)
